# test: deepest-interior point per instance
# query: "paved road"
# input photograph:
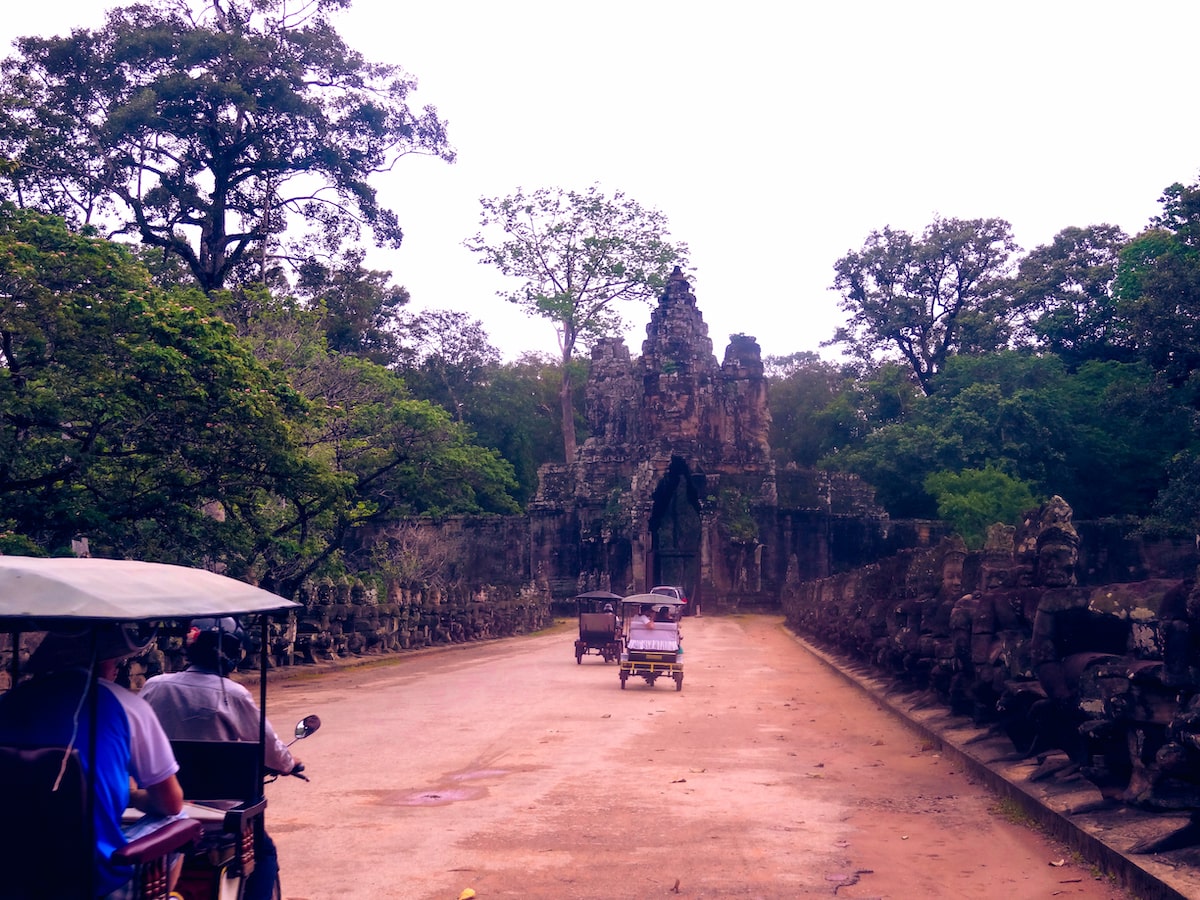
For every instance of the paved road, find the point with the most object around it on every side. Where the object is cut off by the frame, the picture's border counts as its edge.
(508, 769)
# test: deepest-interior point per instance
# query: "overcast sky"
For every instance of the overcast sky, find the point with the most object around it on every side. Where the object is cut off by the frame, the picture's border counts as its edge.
(775, 136)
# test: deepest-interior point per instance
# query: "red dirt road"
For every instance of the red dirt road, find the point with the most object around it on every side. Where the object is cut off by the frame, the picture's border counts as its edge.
(508, 769)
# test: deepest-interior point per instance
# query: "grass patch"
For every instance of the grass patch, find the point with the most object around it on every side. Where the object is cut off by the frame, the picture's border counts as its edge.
(1012, 811)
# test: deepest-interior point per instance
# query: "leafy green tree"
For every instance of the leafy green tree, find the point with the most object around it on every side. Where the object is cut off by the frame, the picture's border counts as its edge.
(408, 457)
(1176, 509)
(1158, 287)
(815, 408)
(972, 500)
(928, 297)
(578, 255)
(208, 130)
(514, 409)
(127, 415)
(1064, 292)
(360, 307)
(453, 357)
(1030, 417)
(140, 420)
(393, 455)
(820, 408)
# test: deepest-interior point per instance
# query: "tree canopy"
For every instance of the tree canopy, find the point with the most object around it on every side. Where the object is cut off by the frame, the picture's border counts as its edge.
(1063, 292)
(1030, 418)
(577, 255)
(129, 415)
(1158, 287)
(228, 134)
(929, 296)
(141, 420)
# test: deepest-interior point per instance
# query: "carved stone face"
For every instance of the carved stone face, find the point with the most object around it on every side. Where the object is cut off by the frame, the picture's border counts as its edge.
(993, 576)
(952, 574)
(1056, 564)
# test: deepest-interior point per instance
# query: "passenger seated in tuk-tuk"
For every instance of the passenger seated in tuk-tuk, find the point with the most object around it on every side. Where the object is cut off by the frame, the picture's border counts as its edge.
(643, 616)
(663, 614)
(50, 710)
(203, 703)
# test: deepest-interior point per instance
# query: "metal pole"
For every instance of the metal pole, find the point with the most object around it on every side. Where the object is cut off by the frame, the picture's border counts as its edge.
(263, 637)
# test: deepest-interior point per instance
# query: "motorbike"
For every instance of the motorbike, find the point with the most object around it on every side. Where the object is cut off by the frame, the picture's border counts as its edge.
(222, 796)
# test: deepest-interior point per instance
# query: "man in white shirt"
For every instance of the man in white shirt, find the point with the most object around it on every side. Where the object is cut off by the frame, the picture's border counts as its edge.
(202, 704)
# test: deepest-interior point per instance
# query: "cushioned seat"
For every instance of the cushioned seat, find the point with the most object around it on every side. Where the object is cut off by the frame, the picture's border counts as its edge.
(47, 848)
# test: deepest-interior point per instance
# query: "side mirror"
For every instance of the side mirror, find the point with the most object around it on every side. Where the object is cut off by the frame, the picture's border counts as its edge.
(307, 726)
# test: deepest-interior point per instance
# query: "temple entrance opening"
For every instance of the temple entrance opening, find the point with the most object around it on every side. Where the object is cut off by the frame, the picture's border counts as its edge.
(675, 528)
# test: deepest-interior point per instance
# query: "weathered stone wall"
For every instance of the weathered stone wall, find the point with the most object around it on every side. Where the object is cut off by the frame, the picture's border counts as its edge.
(1020, 635)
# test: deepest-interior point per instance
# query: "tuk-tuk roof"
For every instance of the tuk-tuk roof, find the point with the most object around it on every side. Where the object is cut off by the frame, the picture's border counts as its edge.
(598, 595)
(652, 600)
(67, 588)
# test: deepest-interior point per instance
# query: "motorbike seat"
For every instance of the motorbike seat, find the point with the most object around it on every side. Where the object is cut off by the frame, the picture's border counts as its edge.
(47, 847)
(225, 775)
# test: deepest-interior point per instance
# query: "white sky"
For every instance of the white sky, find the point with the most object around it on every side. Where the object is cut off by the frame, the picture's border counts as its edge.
(774, 135)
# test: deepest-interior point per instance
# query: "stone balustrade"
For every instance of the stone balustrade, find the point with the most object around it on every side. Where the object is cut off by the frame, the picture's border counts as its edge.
(1107, 674)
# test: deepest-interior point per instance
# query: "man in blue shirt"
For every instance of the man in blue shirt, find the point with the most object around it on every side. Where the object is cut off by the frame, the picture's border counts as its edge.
(52, 710)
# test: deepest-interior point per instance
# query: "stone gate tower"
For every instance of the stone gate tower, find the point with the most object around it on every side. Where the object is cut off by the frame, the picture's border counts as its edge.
(675, 484)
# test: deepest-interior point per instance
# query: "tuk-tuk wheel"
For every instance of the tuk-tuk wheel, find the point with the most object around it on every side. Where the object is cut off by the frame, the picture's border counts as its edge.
(679, 682)
(578, 658)
(624, 678)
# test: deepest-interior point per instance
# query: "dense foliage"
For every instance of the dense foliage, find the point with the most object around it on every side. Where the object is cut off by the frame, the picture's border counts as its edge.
(1071, 370)
(141, 420)
(927, 297)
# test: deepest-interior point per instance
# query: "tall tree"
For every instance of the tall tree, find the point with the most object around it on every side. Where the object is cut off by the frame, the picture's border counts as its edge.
(927, 297)
(1031, 417)
(453, 356)
(360, 307)
(1064, 292)
(1158, 287)
(209, 130)
(815, 408)
(139, 419)
(393, 455)
(515, 409)
(578, 256)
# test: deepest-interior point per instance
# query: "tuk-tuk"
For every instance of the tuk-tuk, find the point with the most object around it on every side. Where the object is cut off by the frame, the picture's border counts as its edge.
(48, 847)
(599, 625)
(652, 643)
